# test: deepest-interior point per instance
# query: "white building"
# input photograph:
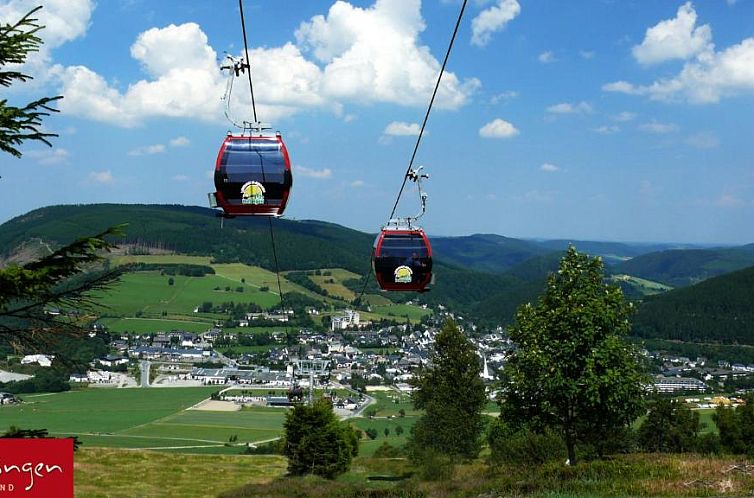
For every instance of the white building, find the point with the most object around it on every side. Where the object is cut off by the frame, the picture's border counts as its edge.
(43, 359)
(672, 384)
(349, 318)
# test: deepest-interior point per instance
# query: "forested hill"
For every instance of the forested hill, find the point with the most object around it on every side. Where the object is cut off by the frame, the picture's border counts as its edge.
(720, 309)
(301, 245)
(682, 267)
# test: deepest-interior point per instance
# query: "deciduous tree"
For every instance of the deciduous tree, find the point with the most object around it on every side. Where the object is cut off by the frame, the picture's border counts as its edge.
(572, 370)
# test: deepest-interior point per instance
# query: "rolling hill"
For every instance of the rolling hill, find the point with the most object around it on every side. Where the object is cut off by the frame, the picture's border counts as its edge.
(720, 309)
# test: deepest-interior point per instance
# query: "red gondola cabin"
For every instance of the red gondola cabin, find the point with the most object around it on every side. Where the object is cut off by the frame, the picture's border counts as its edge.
(252, 176)
(403, 260)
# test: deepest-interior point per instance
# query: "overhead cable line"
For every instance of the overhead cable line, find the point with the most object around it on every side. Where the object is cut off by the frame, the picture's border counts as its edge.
(410, 173)
(429, 109)
(256, 121)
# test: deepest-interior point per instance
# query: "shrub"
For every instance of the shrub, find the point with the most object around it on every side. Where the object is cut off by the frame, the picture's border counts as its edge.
(523, 446)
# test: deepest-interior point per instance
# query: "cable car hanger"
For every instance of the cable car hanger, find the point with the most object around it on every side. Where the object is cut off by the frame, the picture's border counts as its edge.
(416, 176)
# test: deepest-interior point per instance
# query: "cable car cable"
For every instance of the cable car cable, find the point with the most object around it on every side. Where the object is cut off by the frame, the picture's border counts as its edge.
(429, 109)
(410, 169)
(248, 64)
(254, 109)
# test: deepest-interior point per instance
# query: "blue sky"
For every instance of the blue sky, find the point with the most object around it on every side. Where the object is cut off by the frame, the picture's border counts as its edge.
(594, 119)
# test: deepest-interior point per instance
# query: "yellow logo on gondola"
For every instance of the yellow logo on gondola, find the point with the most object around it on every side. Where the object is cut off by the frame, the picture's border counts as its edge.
(252, 193)
(403, 275)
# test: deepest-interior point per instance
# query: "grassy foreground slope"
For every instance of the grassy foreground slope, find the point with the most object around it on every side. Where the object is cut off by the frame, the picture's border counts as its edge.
(151, 474)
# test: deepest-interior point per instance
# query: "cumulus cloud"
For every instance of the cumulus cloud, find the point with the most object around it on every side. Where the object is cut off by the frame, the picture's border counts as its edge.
(546, 57)
(706, 77)
(362, 55)
(180, 178)
(569, 108)
(63, 21)
(491, 20)
(179, 142)
(549, 168)
(658, 128)
(498, 128)
(586, 54)
(373, 55)
(49, 157)
(147, 150)
(358, 183)
(398, 128)
(320, 174)
(101, 177)
(676, 38)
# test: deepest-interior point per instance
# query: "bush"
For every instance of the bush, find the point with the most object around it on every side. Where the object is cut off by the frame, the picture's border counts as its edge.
(431, 465)
(386, 450)
(523, 446)
(670, 427)
(316, 442)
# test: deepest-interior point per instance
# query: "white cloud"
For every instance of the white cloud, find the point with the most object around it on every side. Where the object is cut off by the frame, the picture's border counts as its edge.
(549, 168)
(503, 97)
(568, 108)
(546, 57)
(587, 54)
(320, 174)
(102, 177)
(624, 117)
(607, 129)
(658, 128)
(49, 157)
(498, 128)
(703, 140)
(373, 55)
(179, 142)
(362, 55)
(620, 87)
(63, 21)
(180, 178)
(398, 128)
(676, 38)
(491, 20)
(707, 77)
(147, 150)
(358, 183)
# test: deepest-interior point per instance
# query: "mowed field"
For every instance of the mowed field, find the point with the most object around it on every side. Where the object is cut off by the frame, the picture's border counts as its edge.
(145, 301)
(156, 418)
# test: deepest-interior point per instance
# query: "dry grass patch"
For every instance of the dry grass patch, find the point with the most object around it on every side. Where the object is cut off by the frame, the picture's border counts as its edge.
(117, 473)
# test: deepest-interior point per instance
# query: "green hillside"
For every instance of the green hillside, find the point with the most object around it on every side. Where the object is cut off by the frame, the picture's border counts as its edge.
(488, 253)
(720, 309)
(682, 267)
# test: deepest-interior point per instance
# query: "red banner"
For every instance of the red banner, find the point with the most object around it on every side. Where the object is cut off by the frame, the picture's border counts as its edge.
(36, 468)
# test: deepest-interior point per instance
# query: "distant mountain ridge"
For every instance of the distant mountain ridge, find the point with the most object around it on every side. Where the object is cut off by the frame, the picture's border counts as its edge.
(485, 275)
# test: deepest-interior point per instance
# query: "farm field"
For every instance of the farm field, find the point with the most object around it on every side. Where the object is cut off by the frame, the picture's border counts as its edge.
(143, 418)
(648, 287)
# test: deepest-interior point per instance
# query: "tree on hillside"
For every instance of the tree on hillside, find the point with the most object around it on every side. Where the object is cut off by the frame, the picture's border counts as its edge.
(451, 393)
(18, 124)
(316, 442)
(670, 427)
(572, 371)
(65, 278)
(736, 426)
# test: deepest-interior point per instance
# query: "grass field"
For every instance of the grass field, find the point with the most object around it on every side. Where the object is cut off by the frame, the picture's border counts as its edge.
(143, 418)
(148, 294)
(113, 473)
(647, 287)
(144, 325)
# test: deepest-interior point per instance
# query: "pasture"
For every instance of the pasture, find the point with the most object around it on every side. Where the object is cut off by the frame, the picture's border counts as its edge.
(154, 418)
